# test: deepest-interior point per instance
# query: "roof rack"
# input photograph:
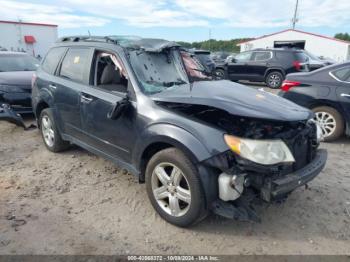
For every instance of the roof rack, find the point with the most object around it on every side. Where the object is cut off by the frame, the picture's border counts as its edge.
(87, 38)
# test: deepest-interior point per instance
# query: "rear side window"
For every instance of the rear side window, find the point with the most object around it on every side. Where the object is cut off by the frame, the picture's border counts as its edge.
(342, 74)
(75, 64)
(52, 59)
(261, 56)
(301, 57)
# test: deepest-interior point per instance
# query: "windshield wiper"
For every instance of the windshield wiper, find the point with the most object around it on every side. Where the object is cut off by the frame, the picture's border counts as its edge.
(169, 84)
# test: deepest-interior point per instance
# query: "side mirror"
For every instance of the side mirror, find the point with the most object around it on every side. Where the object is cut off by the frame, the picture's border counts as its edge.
(233, 60)
(118, 108)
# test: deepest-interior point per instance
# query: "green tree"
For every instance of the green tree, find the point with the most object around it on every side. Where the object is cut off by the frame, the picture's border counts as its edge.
(216, 45)
(342, 36)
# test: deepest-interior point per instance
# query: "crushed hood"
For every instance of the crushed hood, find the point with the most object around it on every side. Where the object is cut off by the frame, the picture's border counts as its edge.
(236, 99)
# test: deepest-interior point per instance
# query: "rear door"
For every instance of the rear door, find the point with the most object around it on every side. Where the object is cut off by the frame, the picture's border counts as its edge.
(237, 68)
(342, 75)
(72, 77)
(258, 64)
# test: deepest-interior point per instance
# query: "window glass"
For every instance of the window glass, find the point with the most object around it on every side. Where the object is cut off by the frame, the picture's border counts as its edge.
(243, 56)
(75, 63)
(110, 74)
(301, 57)
(261, 56)
(342, 74)
(13, 63)
(52, 59)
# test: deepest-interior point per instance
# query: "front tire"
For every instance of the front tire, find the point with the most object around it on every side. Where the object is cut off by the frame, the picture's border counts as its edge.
(331, 122)
(174, 188)
(50, 134)
(274, 79)
(220, 74)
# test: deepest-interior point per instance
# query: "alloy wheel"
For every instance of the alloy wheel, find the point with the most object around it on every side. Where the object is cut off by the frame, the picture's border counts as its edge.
(171, 189)
(47, 130)
(327, 123)
(274, 80)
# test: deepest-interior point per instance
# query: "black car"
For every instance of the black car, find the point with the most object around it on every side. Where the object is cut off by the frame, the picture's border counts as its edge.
(327, 92)
(264, 65)
(199, 144)
(16, 71)
(204, 57)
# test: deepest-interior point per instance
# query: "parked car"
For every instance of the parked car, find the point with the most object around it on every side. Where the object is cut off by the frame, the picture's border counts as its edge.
(219, 57)
(16, 71)
(316, 62)
(264, 65)
(199, 144)
(204, 57)
(325, 91)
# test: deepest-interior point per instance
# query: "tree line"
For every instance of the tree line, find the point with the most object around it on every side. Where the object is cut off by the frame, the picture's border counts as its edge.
(343, 36)
(216, 45)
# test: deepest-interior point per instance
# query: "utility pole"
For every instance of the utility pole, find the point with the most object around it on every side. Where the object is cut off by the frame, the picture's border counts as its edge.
(295, 19)
(209, 39)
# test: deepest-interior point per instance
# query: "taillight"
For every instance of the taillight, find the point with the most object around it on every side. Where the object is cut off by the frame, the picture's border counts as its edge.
(287, 84)
(33, 79)
(297, 65)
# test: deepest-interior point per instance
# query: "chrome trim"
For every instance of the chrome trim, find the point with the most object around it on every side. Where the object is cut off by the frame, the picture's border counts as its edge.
(332, 75)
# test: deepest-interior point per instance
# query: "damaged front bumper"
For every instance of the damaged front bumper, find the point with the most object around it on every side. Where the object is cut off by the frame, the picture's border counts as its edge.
(279, 187)
(261, 187)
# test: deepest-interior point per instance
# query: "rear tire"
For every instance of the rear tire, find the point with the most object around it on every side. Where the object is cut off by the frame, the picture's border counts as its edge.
(49, 132)
(274, 79)
(174, 188)
(331, 122)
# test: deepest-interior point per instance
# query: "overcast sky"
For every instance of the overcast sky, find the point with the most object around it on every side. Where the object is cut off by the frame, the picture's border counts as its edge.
(187, 20)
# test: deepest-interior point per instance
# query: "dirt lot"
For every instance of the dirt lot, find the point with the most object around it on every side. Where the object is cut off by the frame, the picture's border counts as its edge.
(78, 203)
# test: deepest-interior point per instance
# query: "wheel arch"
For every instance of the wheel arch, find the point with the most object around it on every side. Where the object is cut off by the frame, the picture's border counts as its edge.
(273, 69)
(164, 136)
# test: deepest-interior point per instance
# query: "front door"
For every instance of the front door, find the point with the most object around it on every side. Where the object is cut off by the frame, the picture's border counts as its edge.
(237, 69)
(108, 87)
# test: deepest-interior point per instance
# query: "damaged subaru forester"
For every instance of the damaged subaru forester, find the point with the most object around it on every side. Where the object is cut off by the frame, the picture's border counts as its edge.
(201, 145)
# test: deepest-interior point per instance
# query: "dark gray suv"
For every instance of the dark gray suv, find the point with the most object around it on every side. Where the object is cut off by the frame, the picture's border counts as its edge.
(199, 144)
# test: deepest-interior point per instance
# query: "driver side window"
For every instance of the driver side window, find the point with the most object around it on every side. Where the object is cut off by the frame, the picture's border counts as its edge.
(243, 57)
(109, 73)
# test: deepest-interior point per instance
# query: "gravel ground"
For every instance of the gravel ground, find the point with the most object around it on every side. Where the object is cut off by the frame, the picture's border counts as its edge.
(78, 203)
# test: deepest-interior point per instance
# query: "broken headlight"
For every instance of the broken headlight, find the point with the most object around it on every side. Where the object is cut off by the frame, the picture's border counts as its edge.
(265, 152)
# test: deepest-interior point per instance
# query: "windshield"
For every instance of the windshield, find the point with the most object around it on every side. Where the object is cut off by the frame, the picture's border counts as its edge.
(158, 71)
(12, 63)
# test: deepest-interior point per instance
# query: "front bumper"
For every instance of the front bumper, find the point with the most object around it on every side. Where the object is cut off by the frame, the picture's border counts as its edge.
(20, 101)
(280, 187)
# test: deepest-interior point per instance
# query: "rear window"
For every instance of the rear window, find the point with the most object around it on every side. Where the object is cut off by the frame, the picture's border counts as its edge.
(52, 59)
(75, 64)
(301, 57)
(342, 74)
(14, 63)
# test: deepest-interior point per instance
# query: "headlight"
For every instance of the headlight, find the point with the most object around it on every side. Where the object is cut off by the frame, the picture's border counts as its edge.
(10, 89)
(266, 152)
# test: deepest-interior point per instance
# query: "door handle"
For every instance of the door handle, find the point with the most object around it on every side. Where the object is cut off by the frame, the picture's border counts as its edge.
(52, 86)
(85, 98)
(345, 95)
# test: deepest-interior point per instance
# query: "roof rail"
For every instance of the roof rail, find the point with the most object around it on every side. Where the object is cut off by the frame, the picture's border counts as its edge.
(87, 38)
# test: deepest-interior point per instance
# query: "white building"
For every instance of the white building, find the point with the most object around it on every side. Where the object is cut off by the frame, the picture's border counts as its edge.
(319, 45)
(33, 38)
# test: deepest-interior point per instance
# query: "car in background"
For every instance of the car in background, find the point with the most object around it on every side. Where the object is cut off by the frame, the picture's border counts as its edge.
(315, 62)
(264, 65)
(204, 57)
(219, 57)
(16, 71)
(326, 92)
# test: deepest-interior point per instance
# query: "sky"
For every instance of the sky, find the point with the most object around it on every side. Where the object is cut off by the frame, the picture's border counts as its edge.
(181, 20)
